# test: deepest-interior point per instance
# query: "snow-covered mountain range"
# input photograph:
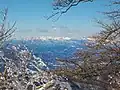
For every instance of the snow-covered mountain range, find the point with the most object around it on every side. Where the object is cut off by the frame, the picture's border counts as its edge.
(47, 49)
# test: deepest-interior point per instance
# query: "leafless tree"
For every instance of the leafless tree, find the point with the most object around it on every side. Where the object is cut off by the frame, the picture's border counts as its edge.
(98, 66)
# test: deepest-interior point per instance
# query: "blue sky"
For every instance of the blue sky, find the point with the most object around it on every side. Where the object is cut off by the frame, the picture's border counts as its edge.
(31, 21)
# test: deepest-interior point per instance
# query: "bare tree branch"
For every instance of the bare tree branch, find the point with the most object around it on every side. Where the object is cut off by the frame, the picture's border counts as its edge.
(5, 32)
(62, 6)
